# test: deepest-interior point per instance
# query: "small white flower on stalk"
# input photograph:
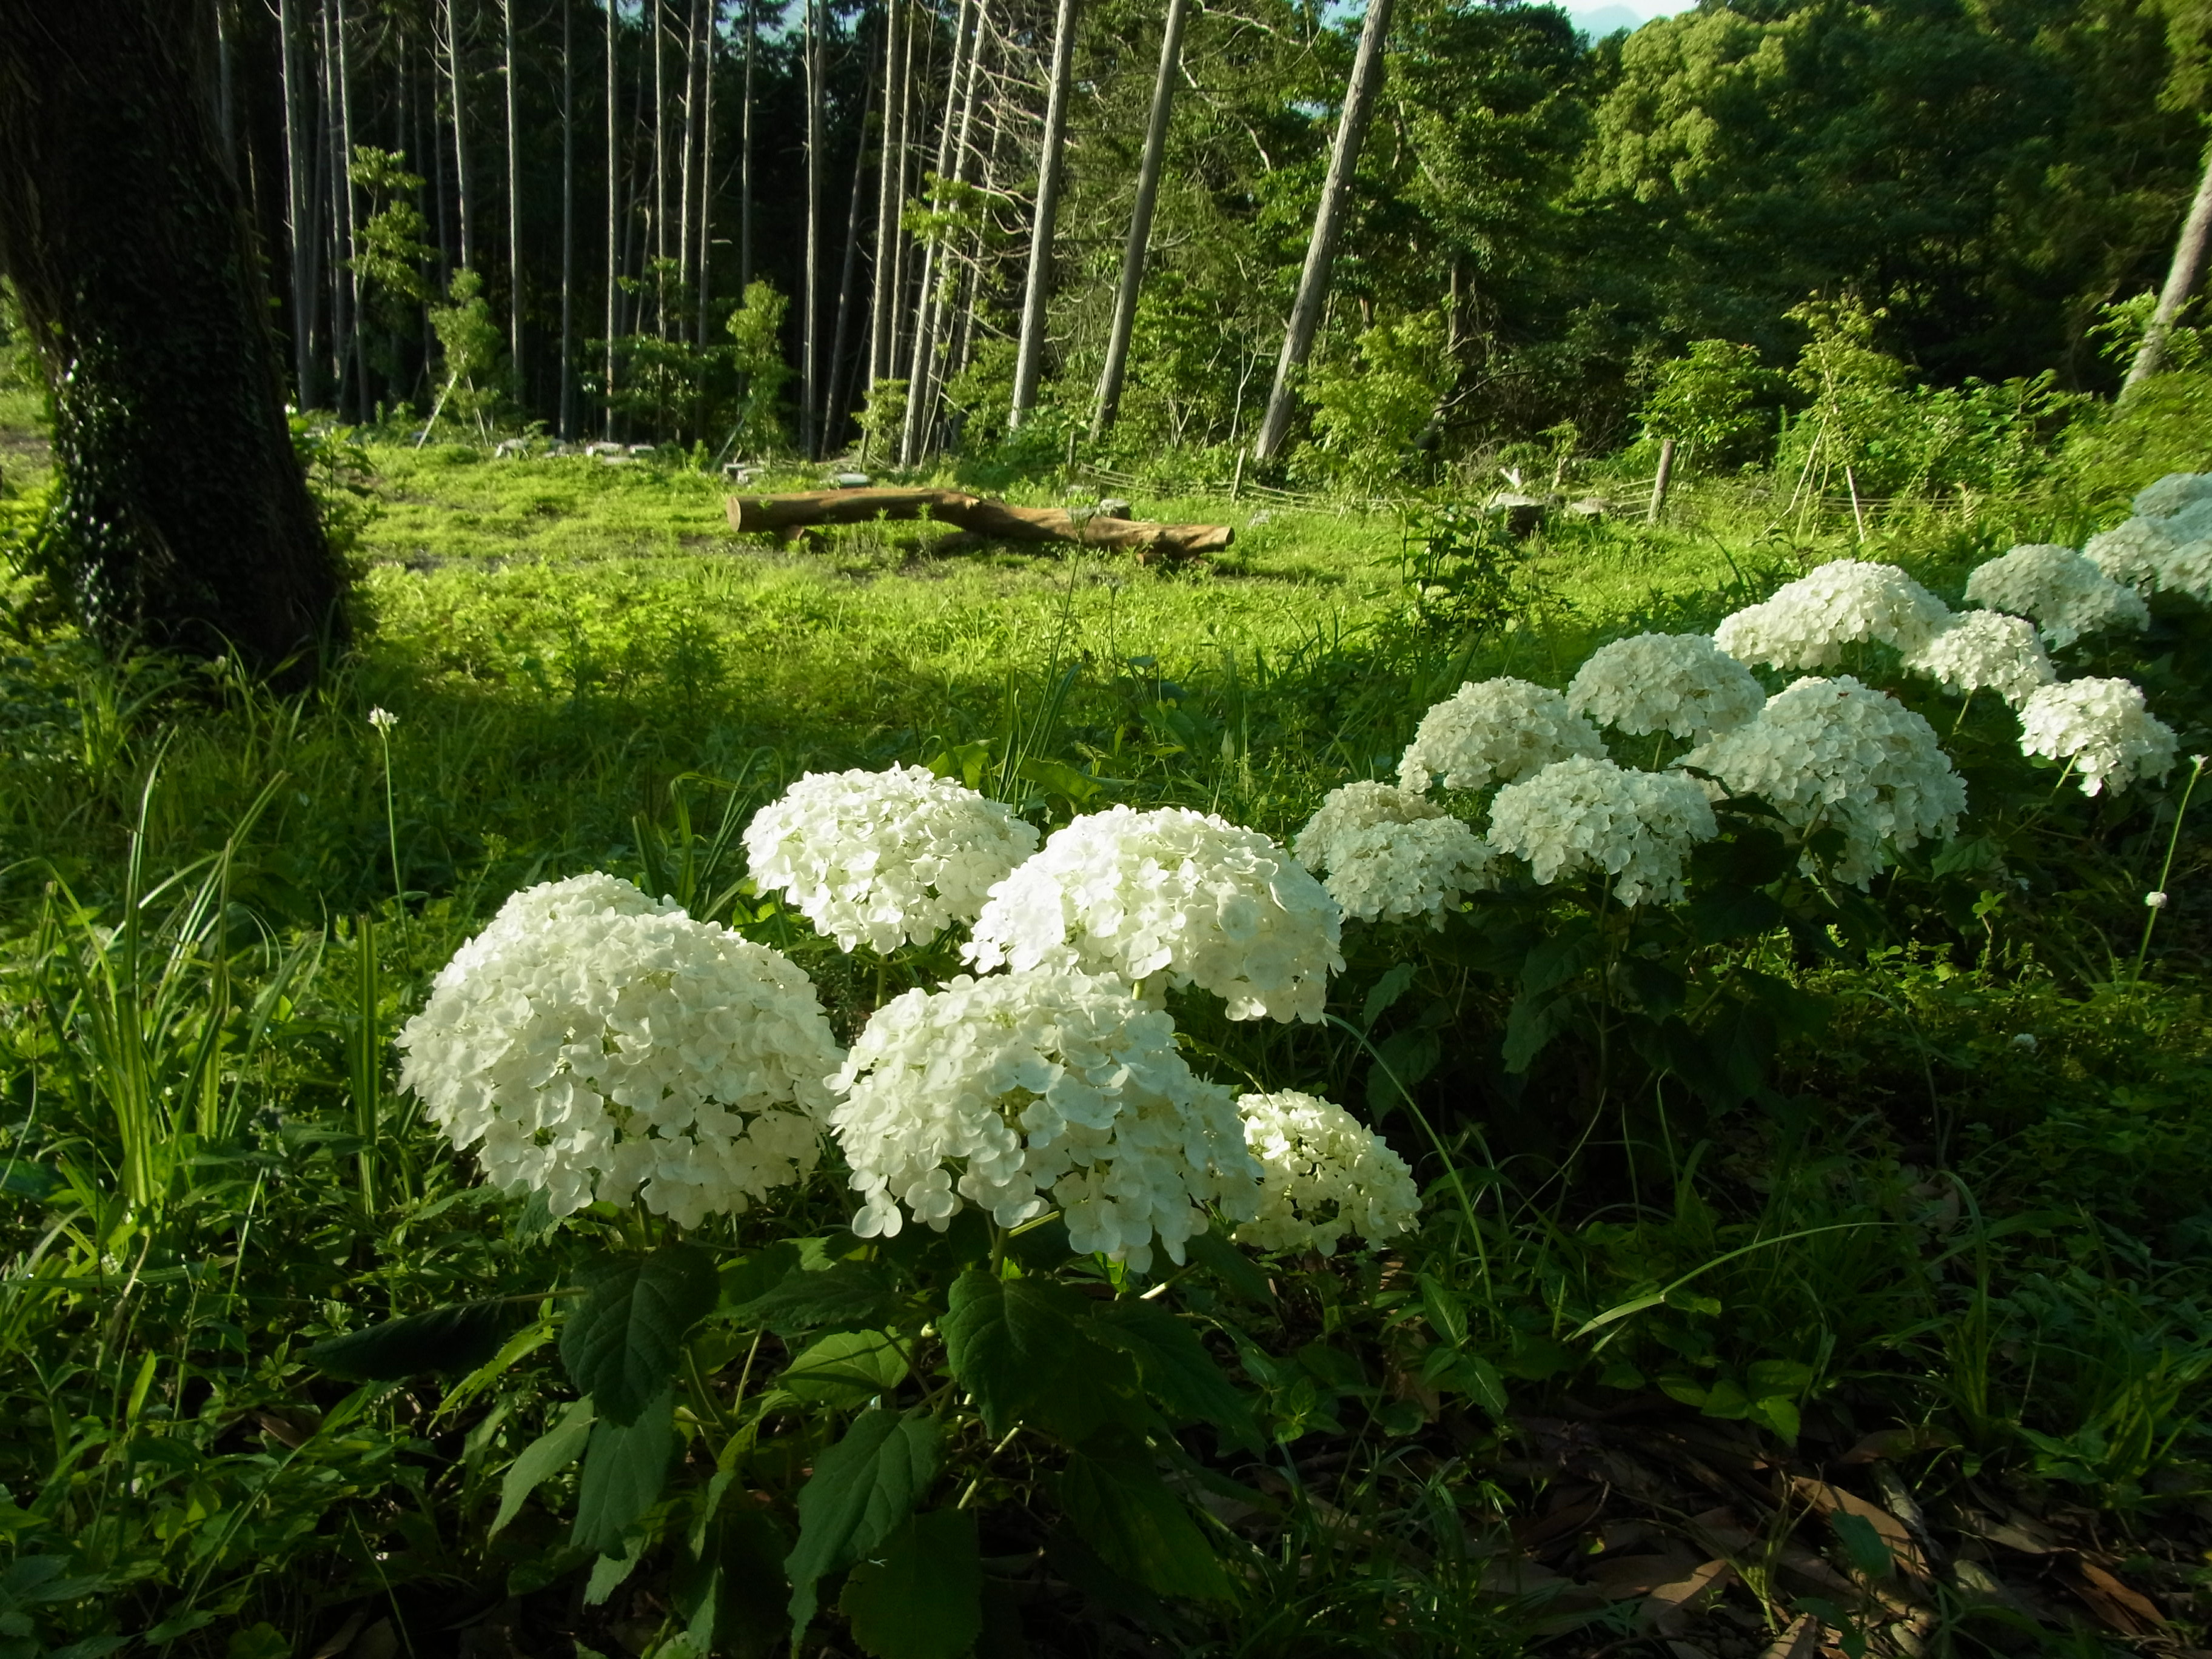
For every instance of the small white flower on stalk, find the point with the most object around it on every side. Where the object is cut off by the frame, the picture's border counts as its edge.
(1390, 855)
(2066, 594)
(2156, 901)
(1324, 1175)
(2024, 1040)
(595, 1044)
(1498, 731)
(2132, 554)
(1030, 1091)
(383, 719)
(1584, 814)
(2101, 726)
(1851, 757)
(1807, 623)
(1985, 651)
(885, 857)
(1679, 683)
(1174, 896)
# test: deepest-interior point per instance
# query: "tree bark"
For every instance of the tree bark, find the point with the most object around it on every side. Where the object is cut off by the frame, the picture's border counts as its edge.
(951, 152)
(1029, 353)
(883, 294)
(614, 222)
(705, 264)
(299, 211)
(833, 419)
(567, 219)
(513, 207)
(745, 158)
(462, 194)
(185, 522)
(809, 384)
(659, 166)
(750, 514)
(1329, 226)
(2180, 278)
(1134, 250)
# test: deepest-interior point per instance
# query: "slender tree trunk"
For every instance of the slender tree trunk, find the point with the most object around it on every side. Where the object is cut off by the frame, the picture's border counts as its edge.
(226, 114)
(567, 219)
(614, 222)
(126, 237)
(684, 175)
(340, 190)
(299, 211)
(1329, 226)
(833, 420)
(960, 82)
(660, 166)
(437, 149)
(811, 307)
(462, 196)
(513, 209)
(2180, 278)
(884, 289)
(1140, 222)
(355, 349)
(745, 158)
(1029, 353)
(705, 267)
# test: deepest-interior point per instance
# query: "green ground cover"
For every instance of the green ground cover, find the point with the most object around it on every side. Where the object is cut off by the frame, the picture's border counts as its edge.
(1884, 1253)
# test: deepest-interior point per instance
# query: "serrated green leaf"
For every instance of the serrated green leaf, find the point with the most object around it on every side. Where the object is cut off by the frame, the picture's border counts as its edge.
(847, 1296)
(1530, 1024)
(1446, 1311)
(1386, 990)
(1022, 1348)
(1112, 1494)
(1236, 1270)
(542, 1459)
(862, 1489)
(730, 1592)
(625, 1467)
(846, 1368)
(1178, 1373)
(921, 1596)
(620, 1347)
(451, 1338)
(751, 1278)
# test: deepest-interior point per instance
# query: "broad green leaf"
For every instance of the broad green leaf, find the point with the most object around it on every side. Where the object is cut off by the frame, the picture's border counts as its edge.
(620, 1347)
(1731, 913)
(1402, 1060)
(1178, 1373)
(861, 1490)
(730, 1592)
(527, 1340)
(1386, 990)
(1022, 1348)
(1531, 1024)
(751, 1278)
(625, 1467)
(1447, 1312)
(542, 1459)
(846, 1368)
(922, 1596)
(847, 1296)
(1112, 1494)
(1554, 961)
(1235, 1269)
(458, 1338)
(1058, 778)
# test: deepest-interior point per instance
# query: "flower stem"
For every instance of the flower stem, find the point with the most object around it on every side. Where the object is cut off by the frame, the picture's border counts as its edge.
(391, 818)
(2173, 841)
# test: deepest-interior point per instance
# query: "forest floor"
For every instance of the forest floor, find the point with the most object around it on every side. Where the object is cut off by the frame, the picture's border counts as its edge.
(1951, 1400)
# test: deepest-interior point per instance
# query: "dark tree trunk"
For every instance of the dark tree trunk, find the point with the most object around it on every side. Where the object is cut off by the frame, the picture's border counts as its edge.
(187, 520)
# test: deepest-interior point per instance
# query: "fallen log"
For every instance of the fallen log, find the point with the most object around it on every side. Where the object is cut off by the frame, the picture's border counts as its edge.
(995, 520)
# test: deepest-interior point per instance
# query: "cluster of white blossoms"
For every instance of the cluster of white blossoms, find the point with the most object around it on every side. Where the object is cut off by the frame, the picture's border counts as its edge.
(1323, 1174)
(593, 1043)
(1025, 1091)
(1681, 683)
(885, 857)
(1807, 623)
(1171, 895)
(1584, 814)
(1387, 855)
(2133, 553)
(1498, 732)
(1852, 756)
(2063, 591)
(2175, 496)
(2103, 728)
(1985, 651)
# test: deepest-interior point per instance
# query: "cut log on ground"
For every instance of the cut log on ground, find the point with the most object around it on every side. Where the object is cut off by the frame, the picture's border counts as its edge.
(994, 520)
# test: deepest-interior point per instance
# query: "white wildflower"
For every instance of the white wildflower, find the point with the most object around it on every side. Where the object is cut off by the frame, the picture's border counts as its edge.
(1174, 894)
(2156, 901)
(1584, 814)
(1032, 1089)
(595, 1044)
(383, 720)
(1498, 732)
(1681, 684)
(1808, 623)
(1324, 1175)
(2066, 594)
(1389, 855)
(2176, 493)
(1985, 650)
(2103, 728)
(885, 857)
(2133, 553)
(1842, 754)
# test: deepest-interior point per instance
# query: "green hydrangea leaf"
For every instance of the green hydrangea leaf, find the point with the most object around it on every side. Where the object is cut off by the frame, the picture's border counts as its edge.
(620, 1347)
(862, 1489)
(1112, 1494)
(1024, 1348)
(920, 1597)
(458, 1338)
(625, 1467)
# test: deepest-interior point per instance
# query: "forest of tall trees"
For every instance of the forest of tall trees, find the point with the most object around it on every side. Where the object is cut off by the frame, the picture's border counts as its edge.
(1157, 221)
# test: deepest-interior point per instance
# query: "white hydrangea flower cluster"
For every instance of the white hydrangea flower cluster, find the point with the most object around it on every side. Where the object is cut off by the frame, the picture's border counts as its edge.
(2174, 494)
(593, 1043)
(1043, 1088)
(1807, 622)
(885, 857)
(1584, 814)
(1169, 892)
(2132, 554)
(2063, 591)
(1498, 732)
(1681, 683)
(1324, 1175)
(1387, 854)
(1985, 650)
(1837, 749)
(2103, 728)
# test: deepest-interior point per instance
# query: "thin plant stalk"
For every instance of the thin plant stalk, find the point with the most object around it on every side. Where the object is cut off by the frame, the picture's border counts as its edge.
(2165, 869)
